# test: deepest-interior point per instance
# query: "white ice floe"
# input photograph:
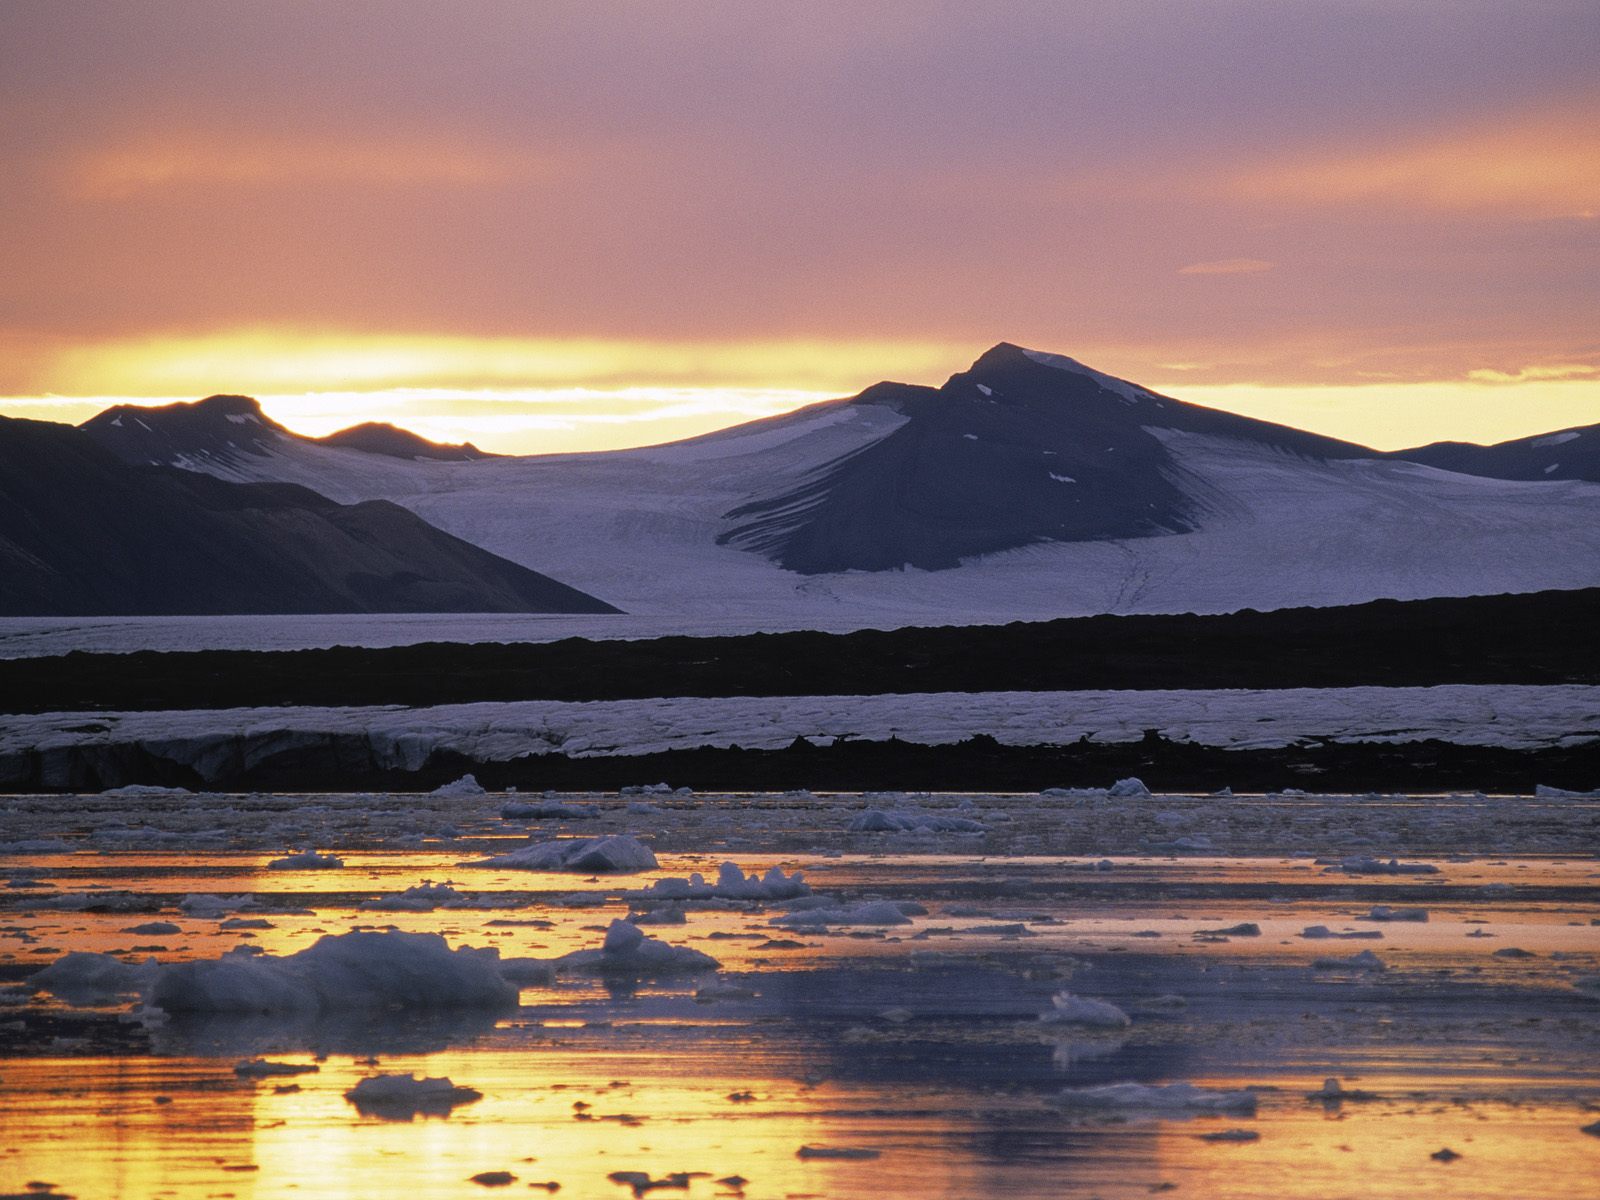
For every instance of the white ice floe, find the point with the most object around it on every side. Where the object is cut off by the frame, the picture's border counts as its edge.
(306, 860)
(425, 897)
(1542, 792)
(731, 884)
(876, 820)
(1130, 788)
(617, 853)
(627, 951)
(344, 972)
(1171, 1098)
(201, 904)
(1323, 933)
(404, 1096)
(467, 785)
(868, 912)
(1067, 1009)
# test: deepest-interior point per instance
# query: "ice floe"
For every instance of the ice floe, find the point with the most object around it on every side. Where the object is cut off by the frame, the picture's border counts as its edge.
(1170, 1098)
(615, 854)
(362, 970)
(1067, 1009)
(401, 1097)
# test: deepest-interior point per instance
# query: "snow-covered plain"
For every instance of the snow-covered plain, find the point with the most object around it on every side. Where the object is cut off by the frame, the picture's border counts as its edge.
(214, 742)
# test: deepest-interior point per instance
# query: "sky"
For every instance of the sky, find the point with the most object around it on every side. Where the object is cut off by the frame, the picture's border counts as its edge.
(558, 226)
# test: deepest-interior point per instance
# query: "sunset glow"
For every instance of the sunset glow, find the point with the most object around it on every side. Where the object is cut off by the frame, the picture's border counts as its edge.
(1386, 231)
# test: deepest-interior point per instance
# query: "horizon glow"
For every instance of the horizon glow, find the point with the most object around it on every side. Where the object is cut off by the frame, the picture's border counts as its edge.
(587, 226)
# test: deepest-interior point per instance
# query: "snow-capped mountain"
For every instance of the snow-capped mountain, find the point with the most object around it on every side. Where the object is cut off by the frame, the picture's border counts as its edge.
(1565, 454)
(1027, 486)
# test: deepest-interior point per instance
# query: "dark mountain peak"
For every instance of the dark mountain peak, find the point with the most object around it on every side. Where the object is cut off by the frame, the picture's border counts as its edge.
(1023, 447)
(378, 437)
(227, 404)
(220, 428)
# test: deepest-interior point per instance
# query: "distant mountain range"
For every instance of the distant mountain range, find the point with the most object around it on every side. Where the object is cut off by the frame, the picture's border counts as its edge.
(82, 533)
(1029, 485)
(226, 429)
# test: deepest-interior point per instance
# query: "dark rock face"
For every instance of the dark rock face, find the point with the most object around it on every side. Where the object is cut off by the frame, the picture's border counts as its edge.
(1565, 454)
(83, 533)
(1021, 449)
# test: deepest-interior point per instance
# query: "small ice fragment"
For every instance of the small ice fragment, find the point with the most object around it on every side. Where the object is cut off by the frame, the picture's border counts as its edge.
(306, 860)
(1244, 929)
(1383, 912)
(1445, 1155)
(401, 1097)
(1129, 788)
(840, 1152)
(492, 1179)
(466, 786)
(1231, 1135)
(1067, 1009)
(1365, 961)
(260, 1068)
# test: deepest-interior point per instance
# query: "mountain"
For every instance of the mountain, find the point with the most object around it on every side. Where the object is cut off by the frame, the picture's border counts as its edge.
(83, 533)
(376, 437)
(1564, 454)
(1027, 486)
(221, 431)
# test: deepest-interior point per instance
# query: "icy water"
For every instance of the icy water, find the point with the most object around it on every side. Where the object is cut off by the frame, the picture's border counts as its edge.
(915, 1049)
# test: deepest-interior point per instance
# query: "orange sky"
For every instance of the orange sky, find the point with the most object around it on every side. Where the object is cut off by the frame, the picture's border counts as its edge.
(580, 225)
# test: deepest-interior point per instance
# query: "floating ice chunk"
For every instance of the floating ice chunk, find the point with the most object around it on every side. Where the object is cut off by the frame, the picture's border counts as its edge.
(552, 810)
(1514, 952)
(627, 951)
(260, 1068)
(839, 1152)
(152, 928)
(1362, 865)
(1364, 961)
(1243, 929)
(467, 785)
(425, 897)
(731, 884)
(344, 972)
(1171, 1098)
(139, 791)
(1383, 912)
(306, 860)
(868, 912)
(1231, 1135)
(1322, 932)
(203, 905)
(402, 1097)
(617, 853)
(37, 846)
(1129, 788)
(648, 789)
(1197, 841)
(83, 978)
(1543, 792)
(1067, 1009)
(876, 820)
(1333, 1092)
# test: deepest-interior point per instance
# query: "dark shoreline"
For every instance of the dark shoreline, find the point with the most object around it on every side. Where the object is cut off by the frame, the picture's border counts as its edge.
(342, 763)
(1534, 638)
